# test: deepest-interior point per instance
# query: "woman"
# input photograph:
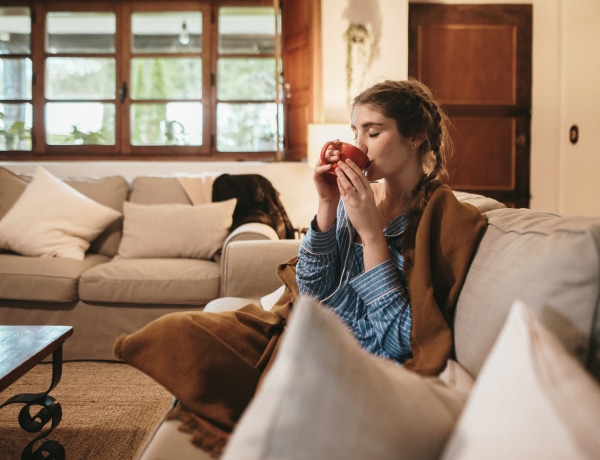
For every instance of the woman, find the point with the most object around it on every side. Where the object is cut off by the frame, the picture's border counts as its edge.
(389, 247)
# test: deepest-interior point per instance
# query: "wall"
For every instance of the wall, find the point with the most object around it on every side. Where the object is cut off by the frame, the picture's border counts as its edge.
(387, 21)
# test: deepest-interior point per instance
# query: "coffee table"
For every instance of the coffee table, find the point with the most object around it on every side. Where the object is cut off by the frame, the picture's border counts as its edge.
(21, 348)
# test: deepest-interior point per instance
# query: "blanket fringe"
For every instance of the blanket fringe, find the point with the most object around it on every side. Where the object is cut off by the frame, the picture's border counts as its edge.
(205, 435)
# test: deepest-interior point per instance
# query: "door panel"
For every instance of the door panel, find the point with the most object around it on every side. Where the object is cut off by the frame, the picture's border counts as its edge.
(299, 52)
(477, 61)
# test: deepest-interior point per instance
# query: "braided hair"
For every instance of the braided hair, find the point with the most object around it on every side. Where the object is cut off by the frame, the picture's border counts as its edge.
(410, 103)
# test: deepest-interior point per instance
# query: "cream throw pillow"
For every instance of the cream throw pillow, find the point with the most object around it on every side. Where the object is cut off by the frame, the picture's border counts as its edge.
(532, 400)
(175, 230)
(326, 398)
(52, 219)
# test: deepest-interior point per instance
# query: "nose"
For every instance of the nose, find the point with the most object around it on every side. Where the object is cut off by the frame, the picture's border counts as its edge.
(361, 145)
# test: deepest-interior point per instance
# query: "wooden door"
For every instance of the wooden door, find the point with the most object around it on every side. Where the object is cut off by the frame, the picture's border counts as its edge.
(477, 61)
(300, 52)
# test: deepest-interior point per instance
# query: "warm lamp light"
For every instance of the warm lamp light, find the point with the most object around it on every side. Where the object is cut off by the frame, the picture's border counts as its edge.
(319, 133)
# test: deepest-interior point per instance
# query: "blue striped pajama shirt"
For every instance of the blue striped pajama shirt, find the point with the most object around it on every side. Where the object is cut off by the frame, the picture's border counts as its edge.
(373, 304)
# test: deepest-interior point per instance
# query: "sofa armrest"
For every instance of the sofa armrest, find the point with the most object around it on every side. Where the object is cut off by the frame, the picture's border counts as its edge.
(249, 268)
(251, 231)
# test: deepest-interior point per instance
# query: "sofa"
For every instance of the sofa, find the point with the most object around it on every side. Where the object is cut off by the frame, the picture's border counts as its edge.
(523, 381)
(157, 252)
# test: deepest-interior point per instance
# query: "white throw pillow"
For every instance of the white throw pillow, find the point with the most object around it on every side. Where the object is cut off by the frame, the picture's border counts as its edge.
(325, 398)
(52, 219)
(175, 230)
(532, 400)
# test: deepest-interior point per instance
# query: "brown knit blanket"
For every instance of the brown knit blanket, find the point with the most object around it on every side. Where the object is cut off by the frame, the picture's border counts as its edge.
(444, 245)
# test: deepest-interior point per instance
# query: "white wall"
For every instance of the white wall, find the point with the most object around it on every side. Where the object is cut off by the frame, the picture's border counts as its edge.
(388, 21)
(580, 95)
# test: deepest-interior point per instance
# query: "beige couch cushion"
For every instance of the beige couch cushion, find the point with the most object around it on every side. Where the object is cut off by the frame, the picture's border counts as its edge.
(53, 279)
(481, 202)
(110, 191)
(11, 188)
(548, 261)
(157, 190)
(532, 400)
(325, 398)
(151, 281)
(175, 230)
(52, 219)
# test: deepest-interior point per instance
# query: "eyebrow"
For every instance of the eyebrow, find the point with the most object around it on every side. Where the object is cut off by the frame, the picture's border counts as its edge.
(368, 125)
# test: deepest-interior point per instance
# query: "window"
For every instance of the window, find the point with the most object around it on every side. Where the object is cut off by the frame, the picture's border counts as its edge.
(140, 79)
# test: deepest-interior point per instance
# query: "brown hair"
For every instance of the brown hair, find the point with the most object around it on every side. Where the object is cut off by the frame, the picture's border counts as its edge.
(411, 104)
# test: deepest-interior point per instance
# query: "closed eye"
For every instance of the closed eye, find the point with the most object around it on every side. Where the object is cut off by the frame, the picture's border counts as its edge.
(373, 134)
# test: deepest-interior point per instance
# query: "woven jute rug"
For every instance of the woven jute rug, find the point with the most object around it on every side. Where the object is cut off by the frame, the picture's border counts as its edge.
(108, 410)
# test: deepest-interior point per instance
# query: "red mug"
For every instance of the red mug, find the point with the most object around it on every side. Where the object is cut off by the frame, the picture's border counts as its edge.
(346, 151)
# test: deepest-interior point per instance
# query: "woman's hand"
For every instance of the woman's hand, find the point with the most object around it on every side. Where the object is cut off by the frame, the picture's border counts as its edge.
(324, 180)
(358, 198)
(327, 189)
(361, 209)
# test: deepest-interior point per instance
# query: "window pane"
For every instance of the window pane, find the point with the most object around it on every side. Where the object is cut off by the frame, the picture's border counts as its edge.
(252, 79)
(166, 78)
(167, 32)
(15, 126)
(246, 127)
(68, 32)
(246, 30)
(15, 30)
(75, 123)
(174, 123)
(15, 78)
(80, 78)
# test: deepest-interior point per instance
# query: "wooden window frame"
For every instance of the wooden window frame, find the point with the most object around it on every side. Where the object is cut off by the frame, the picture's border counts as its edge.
(120, 150)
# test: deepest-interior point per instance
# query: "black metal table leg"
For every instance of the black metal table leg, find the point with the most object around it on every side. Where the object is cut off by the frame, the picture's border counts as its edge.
(50, 411)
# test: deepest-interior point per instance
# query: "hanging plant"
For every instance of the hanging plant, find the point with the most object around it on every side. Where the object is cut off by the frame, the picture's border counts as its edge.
(358, 48)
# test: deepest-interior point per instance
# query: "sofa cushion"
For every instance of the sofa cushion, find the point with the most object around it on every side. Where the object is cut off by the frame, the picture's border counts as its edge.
(481, 202)
(175, 230)
(110, 191)
(157, 190)
(324, 397)
(532, 400)
(54, 279)
(551, 262)
(11, 188)
(51, 219)
(151, 281)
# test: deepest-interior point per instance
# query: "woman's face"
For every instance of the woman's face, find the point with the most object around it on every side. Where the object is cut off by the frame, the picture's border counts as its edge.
(389, 153)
